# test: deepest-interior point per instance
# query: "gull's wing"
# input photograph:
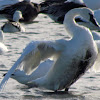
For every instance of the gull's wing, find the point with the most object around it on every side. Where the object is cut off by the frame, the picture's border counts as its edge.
(34, 52)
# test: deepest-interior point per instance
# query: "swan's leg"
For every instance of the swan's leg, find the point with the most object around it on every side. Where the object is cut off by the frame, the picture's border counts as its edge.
(66, 89)
(55, 91)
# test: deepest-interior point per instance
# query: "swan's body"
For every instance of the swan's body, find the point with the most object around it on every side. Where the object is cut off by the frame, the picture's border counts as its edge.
(29, 10)
(44, 67)
(14, 26)
(72, 58)
(58, 11)
(3, 48)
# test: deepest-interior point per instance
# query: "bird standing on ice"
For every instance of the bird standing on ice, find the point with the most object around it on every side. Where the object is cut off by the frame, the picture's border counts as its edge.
(14, 26)
(72, 58)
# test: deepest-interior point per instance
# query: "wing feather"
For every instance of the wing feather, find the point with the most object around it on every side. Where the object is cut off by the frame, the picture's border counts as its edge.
(34, 52)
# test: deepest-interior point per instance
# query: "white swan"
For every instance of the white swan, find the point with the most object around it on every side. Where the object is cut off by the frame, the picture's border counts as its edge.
(14, 26)
(23, 78)
(3, 48)
(72, 58)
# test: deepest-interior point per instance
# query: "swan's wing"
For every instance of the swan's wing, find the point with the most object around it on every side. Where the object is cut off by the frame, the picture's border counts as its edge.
(31, 57)
(39, 52)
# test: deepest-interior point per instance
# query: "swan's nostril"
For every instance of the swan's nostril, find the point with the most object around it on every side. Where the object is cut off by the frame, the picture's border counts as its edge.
(4, 74)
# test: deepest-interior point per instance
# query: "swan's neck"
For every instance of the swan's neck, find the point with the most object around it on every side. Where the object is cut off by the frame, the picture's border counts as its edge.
(73, 28)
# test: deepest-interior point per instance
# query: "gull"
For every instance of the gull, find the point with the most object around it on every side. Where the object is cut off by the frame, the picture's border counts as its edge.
(14, 26)
(72, 58)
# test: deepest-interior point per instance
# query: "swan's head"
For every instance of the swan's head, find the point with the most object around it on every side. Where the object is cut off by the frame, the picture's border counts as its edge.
(90, 20)
(17, 15)
(1, 36)
(19, 76)
(87, 16)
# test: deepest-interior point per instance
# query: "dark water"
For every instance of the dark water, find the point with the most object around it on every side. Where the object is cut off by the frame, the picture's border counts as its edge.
(43, 28)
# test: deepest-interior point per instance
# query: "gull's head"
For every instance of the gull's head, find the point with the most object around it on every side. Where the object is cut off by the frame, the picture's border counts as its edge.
(1, 36)
(17, 15)
(19, 76)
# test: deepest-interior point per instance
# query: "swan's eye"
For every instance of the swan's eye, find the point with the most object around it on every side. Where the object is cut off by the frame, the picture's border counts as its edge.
(79, 20)
(92, 19)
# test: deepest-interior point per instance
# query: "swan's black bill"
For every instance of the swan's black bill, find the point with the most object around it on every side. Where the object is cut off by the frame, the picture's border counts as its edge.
(6, 73)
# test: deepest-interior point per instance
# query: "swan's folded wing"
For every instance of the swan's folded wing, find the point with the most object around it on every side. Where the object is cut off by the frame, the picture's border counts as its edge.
(31, 57)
